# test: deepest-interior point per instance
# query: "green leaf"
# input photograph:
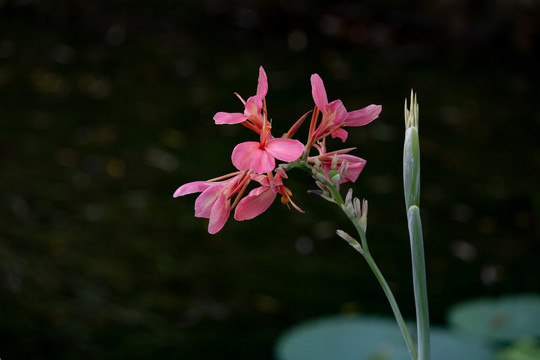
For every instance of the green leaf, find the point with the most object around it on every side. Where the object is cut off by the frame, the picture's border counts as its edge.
(369, 338)
(522, 350)
(503, 319)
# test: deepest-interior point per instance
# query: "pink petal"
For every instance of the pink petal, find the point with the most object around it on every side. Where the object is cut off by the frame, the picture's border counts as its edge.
(262, 87)
(243, 153)
(219, 214)
(296, 206)
(229, 118)
(335, 113)
(192, 187)
(340, 133)
(262, 161)
(285, 149)
(205, 201)
(318, 92)
(257, 202)
(261, 179)
(253, 106)
(281, 173)
(364, 116)
(356, 165)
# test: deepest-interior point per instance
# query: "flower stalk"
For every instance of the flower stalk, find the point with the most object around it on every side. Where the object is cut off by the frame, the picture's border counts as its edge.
(359, 220)
(411, 182)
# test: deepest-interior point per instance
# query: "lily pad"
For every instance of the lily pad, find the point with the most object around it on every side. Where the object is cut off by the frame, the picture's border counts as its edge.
(521, 350)
(504, 319)
(368, 338)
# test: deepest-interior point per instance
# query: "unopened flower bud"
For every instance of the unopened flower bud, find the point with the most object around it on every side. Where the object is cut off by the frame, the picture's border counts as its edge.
(325, 193)
(363, 217)
(343, 168)
(357, 208)
(334, 161)
(335, 177)
(321, 186)
(317, 172)
(350, 240)
(348, 198)
(328, 197)
(317, 163)
(348, 209)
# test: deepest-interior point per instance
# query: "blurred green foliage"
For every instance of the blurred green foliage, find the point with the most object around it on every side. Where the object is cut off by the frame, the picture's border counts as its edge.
(106, 108)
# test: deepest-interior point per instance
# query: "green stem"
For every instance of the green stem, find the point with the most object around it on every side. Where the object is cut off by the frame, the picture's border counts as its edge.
(411, 186)
(390, 296)
(338, 199)
(377, 272)
(419, 281)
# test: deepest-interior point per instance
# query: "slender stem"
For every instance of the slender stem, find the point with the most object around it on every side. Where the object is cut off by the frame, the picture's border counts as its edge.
(388, 292)
(377, 272)
(336, 197)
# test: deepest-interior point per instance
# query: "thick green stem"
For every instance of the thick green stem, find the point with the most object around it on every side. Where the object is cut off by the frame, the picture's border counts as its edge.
(419, 281)
(411, 183)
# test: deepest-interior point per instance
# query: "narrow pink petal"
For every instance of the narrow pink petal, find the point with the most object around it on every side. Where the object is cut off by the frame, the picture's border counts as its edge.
(285, 149)
(262, 161)
(219, 214)
(243, 153)
(262, 87)
(296, 206)
(192, 187)
(229, 118)
(340, 133)
(364, 116)
(257, 202)
(205, 201)
(318, 91)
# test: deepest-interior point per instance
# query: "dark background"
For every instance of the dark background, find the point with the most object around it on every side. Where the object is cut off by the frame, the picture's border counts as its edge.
(106, 108)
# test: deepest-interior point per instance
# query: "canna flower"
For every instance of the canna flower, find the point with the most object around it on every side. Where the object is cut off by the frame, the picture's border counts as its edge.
(334, 114)
(260, 156)
(214, 202)
(253, 108)
(259, 199)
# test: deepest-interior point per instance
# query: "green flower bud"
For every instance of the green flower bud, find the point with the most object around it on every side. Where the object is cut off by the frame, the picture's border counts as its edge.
(411, 155)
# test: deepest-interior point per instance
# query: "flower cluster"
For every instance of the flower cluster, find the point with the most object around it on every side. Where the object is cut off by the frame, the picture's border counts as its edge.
(256, 160)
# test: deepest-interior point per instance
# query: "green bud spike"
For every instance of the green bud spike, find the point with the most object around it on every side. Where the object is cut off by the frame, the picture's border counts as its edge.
(411, 155)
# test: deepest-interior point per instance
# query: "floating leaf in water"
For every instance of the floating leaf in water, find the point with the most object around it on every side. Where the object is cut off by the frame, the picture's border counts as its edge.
(504, 319)
(522, 350)
(369, 338)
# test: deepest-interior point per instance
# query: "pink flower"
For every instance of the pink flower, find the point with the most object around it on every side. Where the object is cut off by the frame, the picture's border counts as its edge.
(214, 202)
(260, 156)
(259, 199)
(355, 166)
(253, 107)
(351, 165)
(334, 114)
